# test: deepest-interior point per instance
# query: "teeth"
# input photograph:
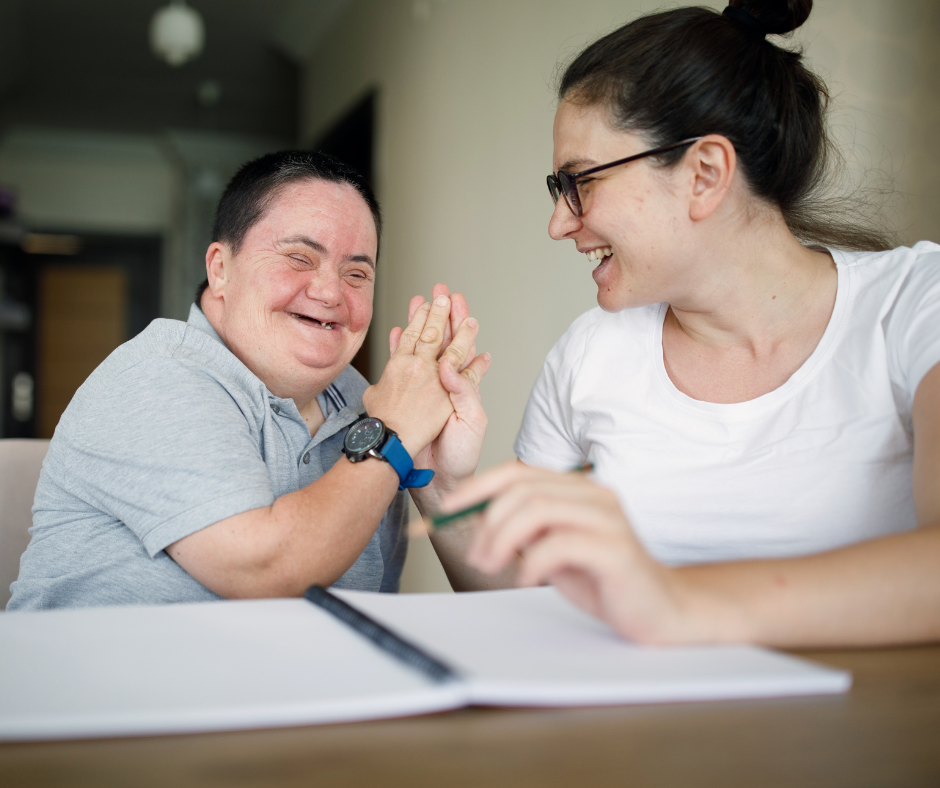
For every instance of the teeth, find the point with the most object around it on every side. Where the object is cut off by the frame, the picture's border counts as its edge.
(599, 254)
(322, 323)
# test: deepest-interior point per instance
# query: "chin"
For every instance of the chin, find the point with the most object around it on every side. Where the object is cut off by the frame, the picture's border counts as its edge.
(621, 292)
(322, 358)
(327, 354)
(610, 301)
(324, 363)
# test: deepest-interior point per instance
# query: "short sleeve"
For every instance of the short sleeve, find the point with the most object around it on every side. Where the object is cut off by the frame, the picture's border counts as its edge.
(165, 448)
(548, 435)
(912, 332)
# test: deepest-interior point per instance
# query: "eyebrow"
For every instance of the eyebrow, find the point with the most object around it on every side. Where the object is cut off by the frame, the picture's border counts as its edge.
(319, 248)
(576, 165)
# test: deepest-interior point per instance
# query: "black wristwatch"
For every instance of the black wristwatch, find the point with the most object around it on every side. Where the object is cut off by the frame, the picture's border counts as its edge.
(369, 437)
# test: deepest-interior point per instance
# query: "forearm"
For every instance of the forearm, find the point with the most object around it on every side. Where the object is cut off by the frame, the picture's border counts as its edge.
(451, 545)
(882, 591)
(452, 542)
(310, 536)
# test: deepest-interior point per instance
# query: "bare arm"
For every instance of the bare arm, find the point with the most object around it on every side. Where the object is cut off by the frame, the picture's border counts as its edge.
(876, 592)
(573, 534)
(455, 453)
(311, 536)
(314, 535)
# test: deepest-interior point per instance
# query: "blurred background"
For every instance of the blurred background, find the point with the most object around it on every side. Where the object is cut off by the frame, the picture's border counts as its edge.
(121, 121)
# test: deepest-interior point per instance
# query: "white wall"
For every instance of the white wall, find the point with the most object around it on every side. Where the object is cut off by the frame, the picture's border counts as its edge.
(163, 184)
(464, 145)
(107, 183)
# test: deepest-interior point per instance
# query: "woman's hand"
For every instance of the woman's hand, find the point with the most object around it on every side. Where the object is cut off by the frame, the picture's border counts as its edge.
(454, 454)
(568, 531)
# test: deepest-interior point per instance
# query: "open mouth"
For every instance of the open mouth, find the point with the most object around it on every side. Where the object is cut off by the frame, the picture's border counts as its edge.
(314, 322)
(599, 256)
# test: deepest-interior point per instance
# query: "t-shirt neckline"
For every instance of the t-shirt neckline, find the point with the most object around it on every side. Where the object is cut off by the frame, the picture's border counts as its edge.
(796, 381)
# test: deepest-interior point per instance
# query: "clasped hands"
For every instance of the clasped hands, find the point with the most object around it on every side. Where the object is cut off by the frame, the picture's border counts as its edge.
(429, 392)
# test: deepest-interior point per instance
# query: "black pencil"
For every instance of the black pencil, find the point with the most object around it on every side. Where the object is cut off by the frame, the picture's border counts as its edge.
(383, 637)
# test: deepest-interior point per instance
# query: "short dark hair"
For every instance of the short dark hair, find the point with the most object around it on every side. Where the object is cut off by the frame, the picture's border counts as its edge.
(689, 72)
(256, 184)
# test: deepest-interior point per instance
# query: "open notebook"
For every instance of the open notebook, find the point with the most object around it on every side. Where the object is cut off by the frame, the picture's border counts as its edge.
(263, 663)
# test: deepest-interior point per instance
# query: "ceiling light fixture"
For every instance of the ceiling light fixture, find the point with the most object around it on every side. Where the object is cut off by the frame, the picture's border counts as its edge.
(177, 33)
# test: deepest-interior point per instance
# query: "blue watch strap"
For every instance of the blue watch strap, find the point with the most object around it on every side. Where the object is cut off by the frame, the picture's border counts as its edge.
(399, 458)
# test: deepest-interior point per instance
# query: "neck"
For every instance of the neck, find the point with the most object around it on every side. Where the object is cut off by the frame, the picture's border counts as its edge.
(757, 290)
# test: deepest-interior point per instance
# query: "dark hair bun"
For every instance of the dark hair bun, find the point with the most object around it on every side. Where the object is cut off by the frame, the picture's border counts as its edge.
(776, 16)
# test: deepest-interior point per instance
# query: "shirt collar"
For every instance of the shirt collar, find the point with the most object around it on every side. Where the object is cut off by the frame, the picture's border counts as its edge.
(198, 319)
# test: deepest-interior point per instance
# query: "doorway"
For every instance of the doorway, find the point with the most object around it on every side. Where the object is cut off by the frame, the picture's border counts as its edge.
(81, 319)
(84, 303)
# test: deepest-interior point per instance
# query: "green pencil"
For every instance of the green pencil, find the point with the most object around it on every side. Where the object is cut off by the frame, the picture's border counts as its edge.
(442, 520)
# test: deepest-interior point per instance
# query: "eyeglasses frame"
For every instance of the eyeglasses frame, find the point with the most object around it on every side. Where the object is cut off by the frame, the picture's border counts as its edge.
(564, 181)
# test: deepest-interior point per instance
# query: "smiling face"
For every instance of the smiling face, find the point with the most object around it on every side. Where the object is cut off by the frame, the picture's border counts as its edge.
(295, 302)
(634, 219)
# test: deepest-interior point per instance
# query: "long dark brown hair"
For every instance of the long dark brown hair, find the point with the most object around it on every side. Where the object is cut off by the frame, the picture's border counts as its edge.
(691, 71)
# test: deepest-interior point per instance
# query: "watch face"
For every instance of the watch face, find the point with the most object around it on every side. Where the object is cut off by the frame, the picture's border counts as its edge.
(363, 435)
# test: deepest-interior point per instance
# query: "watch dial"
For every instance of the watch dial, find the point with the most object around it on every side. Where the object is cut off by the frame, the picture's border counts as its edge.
(363, 435)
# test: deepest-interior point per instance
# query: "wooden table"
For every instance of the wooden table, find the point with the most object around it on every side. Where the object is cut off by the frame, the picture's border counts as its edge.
(885, 732)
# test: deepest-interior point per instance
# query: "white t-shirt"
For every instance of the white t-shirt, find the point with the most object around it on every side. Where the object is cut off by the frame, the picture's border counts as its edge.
(823, 461)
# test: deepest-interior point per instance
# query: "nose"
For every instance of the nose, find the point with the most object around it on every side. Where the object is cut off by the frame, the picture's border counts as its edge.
(325, 286)
(563, 222)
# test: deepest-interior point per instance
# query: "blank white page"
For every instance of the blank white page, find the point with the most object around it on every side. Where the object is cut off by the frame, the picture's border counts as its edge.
(531, 647)
(180, 668)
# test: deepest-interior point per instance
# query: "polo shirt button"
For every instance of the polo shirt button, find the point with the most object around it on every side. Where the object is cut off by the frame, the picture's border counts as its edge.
(276, 408)
(307, 458)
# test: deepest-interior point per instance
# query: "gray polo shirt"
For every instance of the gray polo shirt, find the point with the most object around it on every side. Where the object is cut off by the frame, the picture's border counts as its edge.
(172, 433)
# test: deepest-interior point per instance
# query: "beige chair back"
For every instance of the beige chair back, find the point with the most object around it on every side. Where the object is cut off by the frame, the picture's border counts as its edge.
(20, 463)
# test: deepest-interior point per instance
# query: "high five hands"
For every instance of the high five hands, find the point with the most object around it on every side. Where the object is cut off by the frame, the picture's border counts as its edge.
(430, 390)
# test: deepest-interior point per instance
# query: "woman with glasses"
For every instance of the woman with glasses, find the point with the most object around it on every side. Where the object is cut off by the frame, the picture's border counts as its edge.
(759, 389)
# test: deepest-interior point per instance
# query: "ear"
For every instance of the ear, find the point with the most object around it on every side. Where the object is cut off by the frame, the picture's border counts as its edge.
(712, 162)
(217, 263)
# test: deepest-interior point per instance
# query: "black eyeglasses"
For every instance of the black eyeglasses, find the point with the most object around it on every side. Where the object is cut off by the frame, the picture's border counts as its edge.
(566, 184)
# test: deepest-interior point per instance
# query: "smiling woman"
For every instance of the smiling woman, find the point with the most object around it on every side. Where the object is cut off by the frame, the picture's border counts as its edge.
(759, 391)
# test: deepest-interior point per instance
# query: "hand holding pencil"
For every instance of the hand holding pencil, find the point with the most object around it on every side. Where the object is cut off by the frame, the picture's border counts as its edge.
(442, 520)
(566, 530)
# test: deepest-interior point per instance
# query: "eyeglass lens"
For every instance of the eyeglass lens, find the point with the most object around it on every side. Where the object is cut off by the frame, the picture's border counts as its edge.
(564, 185)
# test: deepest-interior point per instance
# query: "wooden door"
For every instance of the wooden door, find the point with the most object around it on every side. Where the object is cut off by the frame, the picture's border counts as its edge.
(82, 318)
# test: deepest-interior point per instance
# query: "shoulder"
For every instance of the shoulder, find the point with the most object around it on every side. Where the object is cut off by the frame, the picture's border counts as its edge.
(168, 352)
(594, 332)
(890, 287)
(904, 256)
(597, 322)
(168, 367)
(895, 269)
(899, 292)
